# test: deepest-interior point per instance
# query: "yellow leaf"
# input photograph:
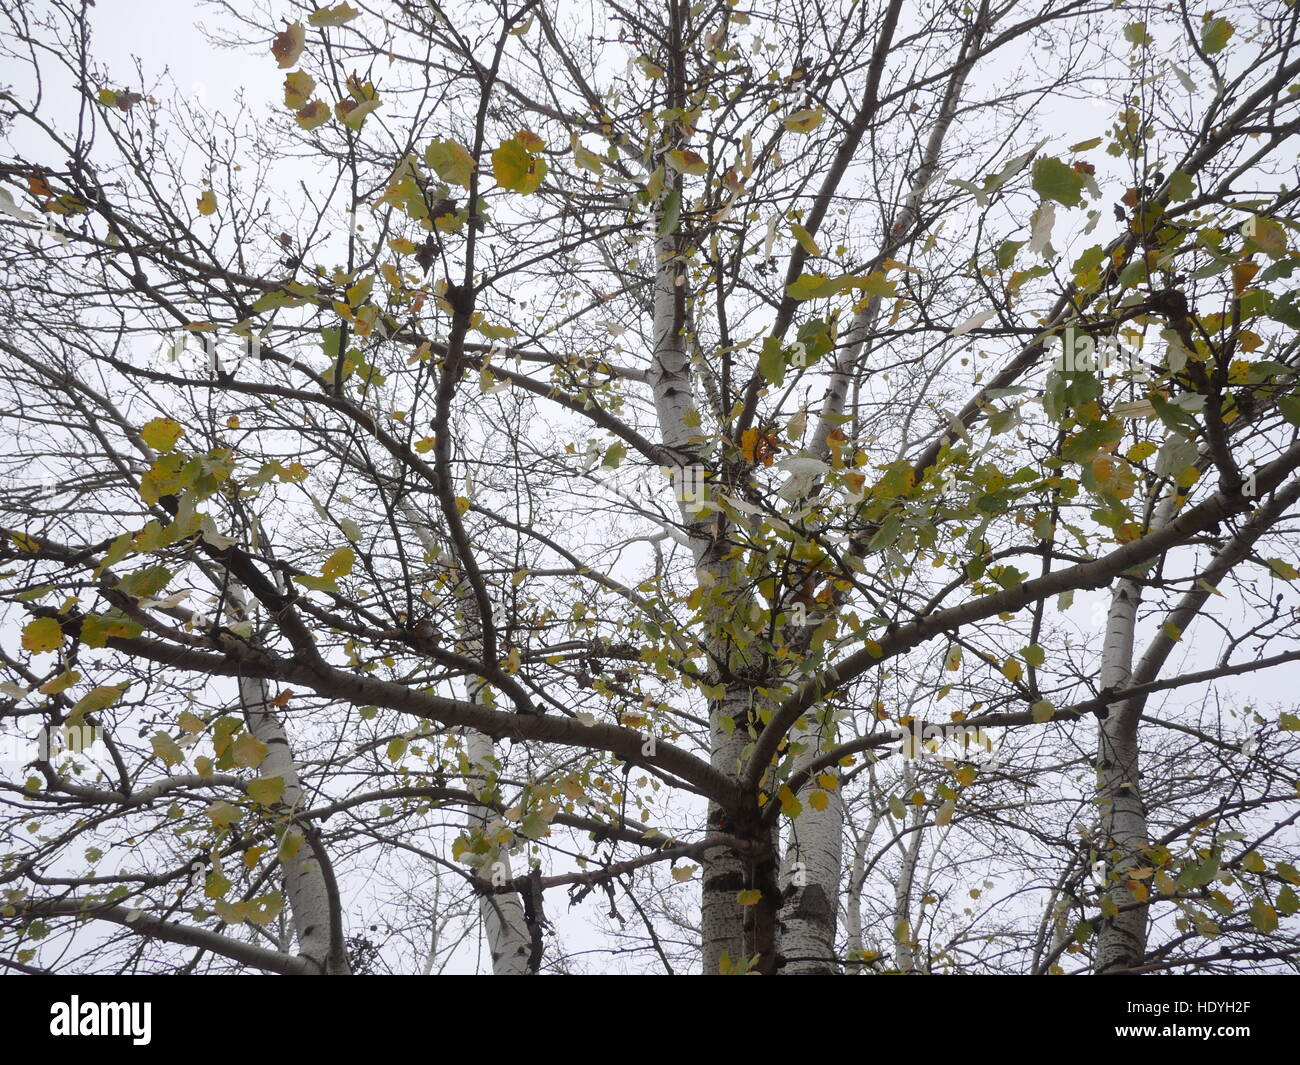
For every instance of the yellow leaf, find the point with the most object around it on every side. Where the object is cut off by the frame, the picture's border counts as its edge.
(298, 88)
(805, 239)
(164, 747)
(161, 434)
(352, 114)
(207, 203)
(687, 162)
(1042, 711)
(804, 121)
(752, 897)
(819, 800)
(333, 16)
(191, 722)
(314, 114)
(516, 168)
(287, 46)
(682, 873)
(249, 751)
(530, 140)
(62, 682)
(339, 564)
(266, 790)
(222, 814)
(42, 635)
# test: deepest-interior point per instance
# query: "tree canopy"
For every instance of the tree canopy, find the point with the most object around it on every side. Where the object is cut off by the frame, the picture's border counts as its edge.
(802, 486)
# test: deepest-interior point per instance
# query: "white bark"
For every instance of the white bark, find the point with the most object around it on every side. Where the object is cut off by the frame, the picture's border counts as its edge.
(508, 940)
(305, 884)
(1121, 940)
(904, 933)
(810, 876)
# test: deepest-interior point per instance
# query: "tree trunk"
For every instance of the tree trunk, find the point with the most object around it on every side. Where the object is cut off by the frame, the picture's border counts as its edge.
(810, 876)
(306, 885)
(1121, 939)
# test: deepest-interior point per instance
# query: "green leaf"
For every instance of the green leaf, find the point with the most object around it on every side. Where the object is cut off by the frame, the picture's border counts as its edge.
(771, 361)
(451, 161)
(1042, 711)
(1215, 33)
(1055, 180)
(1136, 34)
(1181, 187)
(42, 635)
(1289, 408)
(146, 582)
(672, 210)
(1263, 916)
(98, 629)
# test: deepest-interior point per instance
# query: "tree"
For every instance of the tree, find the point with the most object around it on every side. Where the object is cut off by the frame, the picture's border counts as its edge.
(654, 452)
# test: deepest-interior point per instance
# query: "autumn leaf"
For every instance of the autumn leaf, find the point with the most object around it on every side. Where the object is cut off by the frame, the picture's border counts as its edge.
(353, 113)
(207, 203)
(1215, 33)
(266, 791)
(161, 434)
(451, 161)
(314, 114)
(298, 88)
(687, 162)
(248, 751)
(42, 635)
(165, 747)
(339, 564)
(288, 44)
(517, 168)
(62, 682)
(804, 121)
(333, 16)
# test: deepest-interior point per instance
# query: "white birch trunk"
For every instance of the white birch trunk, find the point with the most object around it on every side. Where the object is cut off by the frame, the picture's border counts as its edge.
(904, 933)
(810, 877)
(305, 885)
(1121, 940)
(508, 940)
